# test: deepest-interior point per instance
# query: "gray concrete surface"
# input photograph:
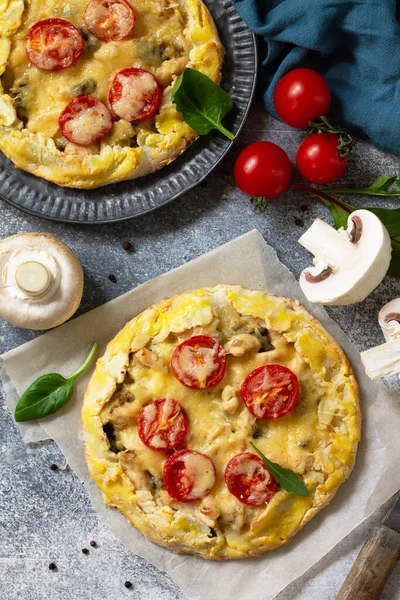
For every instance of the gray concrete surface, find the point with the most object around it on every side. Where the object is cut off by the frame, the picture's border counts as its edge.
(45, 515)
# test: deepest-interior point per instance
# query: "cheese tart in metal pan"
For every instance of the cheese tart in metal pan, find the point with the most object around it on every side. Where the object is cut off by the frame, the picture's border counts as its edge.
(85, 87)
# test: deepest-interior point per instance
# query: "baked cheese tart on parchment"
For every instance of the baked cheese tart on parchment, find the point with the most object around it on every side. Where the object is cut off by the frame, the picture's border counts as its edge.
(85, 85)
(196, 396)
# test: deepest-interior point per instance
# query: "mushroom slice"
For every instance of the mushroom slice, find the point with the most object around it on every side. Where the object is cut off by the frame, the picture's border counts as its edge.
(384, 360)
(349, 263)
(389, 319)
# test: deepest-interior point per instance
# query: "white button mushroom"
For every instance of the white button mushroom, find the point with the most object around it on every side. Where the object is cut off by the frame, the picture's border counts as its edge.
(349, 263)
(384, 360)
(41, 281)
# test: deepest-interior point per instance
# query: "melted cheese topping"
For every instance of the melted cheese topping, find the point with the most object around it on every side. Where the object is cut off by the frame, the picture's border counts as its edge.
(88, 124)
(317, 439)
(199, 471)
(198, 363)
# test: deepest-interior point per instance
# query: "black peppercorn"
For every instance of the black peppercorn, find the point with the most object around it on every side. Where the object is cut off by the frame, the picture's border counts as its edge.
(53, 567)
(128, 584)
(128, 247)
(93, 544)
(85, 551)
(54, 467)
(112, 278)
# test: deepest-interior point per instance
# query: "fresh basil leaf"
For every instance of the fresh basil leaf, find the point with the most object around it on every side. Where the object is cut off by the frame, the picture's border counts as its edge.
(201, 102)
(286, 478)
(339, 215)
(387, 185)
(394, 269)
(44, 397)
(48, 394)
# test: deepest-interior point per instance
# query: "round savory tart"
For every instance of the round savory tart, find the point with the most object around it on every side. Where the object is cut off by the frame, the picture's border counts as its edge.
(85, 85)
(186, 394)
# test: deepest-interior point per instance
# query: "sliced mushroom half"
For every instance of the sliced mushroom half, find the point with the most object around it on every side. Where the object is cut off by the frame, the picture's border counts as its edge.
(349, 263)
(384, 360)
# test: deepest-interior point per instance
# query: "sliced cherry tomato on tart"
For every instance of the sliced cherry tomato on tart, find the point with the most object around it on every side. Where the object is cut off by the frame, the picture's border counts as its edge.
(189, 476)
(271, 391)
(249, 480)
(135, 94)
(109, 20)
(162, 424)
(199, 362)
(85, 121)
(54, 44)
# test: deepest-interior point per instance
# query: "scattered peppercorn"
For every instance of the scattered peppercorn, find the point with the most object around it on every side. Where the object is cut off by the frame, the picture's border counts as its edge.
(112, 278)
(128, 584)
(54, 467)
(128, 247)
(93, 544)
(304, 207)
(85, 551)
(53, 567)
(299, 222)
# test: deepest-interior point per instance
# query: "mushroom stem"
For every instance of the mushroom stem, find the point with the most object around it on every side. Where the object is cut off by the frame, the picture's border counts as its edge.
(383, 360)
(325, 242)
(33, 278)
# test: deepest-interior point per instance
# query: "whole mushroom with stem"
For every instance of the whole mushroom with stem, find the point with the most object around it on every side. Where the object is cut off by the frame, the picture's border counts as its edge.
(349, 263)
(384, 360)
(41, 281)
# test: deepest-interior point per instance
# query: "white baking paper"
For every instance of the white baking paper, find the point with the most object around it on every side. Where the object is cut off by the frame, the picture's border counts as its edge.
(248, 261)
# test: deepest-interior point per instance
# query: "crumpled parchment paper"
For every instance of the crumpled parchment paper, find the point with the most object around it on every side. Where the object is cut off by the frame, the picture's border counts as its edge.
(248, 261)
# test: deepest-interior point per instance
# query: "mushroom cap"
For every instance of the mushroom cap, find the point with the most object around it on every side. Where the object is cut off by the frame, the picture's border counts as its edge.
(26, 305)
(389, 319)
(349, 264)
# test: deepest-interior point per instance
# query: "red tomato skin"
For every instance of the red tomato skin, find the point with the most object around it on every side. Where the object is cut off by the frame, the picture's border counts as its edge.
(61, 25)
(204, 341)
(172, 475)
(318, 160)
(301, 96)
(238, 486)
(116, 36)
(269, 412)
(183, 426)
(153, 106)
(263, 169)
(67, 114)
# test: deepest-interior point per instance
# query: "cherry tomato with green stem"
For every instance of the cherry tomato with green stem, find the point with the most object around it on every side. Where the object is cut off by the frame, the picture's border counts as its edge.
(318, 159)
(302, 95)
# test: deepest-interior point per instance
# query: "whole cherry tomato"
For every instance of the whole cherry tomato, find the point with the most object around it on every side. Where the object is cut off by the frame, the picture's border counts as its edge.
(318, 159)
(263, 169)
(301, 96)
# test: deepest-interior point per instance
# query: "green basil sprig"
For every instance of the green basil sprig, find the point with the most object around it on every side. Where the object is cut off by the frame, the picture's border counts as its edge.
(48, 393)
(201, 102)
(286, 478)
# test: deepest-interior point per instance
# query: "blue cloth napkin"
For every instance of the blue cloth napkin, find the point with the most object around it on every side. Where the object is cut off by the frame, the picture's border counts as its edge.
(354, 44)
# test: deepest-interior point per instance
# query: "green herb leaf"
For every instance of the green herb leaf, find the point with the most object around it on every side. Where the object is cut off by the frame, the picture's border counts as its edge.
(48, 394)
(260, 204)
(387, 185)
(286, 478)
(201, 102)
